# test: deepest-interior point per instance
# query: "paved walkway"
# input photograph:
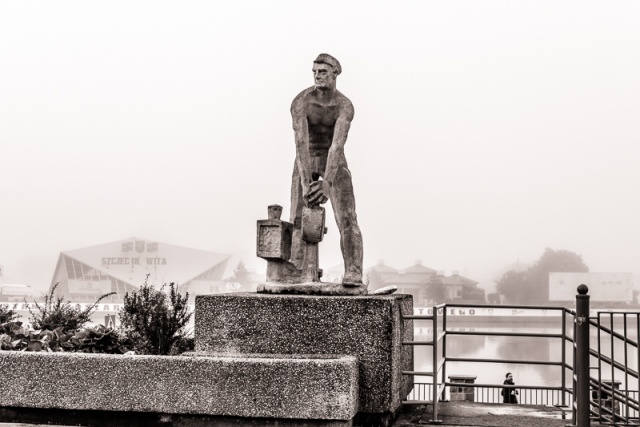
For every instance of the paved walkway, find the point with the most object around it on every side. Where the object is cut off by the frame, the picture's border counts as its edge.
(466, 414)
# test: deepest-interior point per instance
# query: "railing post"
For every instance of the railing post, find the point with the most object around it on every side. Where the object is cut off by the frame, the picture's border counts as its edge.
(582, 356)
(444, 347)
(435, 366)
(563, 400)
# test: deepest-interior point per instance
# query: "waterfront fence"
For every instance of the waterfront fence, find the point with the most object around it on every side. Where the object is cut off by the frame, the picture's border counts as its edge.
(492, 394)
(611, 401)
(440, 357)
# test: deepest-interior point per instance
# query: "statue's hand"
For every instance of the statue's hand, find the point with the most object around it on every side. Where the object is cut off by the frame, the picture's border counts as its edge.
(318, 193)
(305, 193)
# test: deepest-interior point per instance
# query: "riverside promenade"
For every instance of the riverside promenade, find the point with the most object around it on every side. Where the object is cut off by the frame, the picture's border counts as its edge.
(467, 414)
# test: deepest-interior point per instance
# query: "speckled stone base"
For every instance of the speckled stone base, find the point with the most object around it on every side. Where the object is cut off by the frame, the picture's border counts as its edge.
(316, 387)
(368, 327)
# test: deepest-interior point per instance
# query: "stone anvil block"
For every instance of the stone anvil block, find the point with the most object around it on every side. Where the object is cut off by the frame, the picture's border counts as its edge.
(368, 327)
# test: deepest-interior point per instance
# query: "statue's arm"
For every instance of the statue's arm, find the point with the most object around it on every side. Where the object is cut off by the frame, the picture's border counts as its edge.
(301, 134)
(340, 133)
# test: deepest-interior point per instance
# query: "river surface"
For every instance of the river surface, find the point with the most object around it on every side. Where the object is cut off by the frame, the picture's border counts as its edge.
(517, 348)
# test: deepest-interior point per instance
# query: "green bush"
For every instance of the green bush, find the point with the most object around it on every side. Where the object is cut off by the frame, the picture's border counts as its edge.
(56, 313)
(155, 320)
(182, 344)
(6, 314)
(99, 339)
(13, 336)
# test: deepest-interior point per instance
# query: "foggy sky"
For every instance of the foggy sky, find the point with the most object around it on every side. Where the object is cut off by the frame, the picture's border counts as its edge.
(484, 131)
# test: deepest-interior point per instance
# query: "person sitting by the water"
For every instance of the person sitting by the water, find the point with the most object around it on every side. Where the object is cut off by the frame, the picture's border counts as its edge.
(509, 393)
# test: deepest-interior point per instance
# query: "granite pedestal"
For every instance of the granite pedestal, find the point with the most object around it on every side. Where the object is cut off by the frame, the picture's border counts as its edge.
(368, 327)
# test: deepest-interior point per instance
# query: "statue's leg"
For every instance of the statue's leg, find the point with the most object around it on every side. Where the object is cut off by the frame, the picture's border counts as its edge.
(344, 210)
(295, 217)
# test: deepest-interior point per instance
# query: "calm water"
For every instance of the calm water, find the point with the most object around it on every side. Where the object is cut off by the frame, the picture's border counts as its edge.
(515, 348)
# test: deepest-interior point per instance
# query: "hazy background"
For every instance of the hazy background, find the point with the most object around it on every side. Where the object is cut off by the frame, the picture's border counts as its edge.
(485, 131)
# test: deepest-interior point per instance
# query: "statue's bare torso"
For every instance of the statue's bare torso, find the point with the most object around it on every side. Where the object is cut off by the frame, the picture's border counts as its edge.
(322, 115)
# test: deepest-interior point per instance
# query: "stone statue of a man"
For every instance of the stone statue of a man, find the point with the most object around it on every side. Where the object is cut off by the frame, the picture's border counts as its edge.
(321, 120)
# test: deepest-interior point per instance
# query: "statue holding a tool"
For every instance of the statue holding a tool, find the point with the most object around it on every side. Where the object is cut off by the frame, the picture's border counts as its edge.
(321, 117)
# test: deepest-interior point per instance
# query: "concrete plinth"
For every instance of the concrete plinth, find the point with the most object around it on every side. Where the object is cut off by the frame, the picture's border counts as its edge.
(368, 327)
(311, 388)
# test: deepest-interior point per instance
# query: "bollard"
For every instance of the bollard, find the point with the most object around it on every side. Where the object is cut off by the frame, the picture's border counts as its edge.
(606, 398)
(582, 357)
(460, 392)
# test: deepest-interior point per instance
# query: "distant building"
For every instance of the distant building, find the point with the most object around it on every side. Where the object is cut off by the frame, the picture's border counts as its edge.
(244, 279)
(603, 287)
(462, 289)
(14, 292)
(420, 281)
(122, 266)
(411, 280)
(11, 292)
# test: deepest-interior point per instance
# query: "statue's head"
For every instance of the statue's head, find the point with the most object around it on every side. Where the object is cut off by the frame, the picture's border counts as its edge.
(325, 70)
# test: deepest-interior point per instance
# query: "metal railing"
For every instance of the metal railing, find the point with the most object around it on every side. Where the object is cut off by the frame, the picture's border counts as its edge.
(440, 357)
(491, 394)
(438, 364)
(611, 401)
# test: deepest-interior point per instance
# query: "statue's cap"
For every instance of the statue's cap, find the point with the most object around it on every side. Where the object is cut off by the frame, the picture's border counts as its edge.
(325, 58)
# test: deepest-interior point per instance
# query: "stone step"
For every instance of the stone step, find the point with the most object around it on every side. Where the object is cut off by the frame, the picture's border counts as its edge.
(315, 387)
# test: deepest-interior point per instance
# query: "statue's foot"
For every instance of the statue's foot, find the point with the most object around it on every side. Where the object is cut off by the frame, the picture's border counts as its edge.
(352, 284)
(352, 281)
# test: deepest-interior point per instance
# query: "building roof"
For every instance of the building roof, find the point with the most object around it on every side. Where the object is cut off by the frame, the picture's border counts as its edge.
(456, 279)
(418, 268)
(131, 260)
(413, 275)
(380, 267)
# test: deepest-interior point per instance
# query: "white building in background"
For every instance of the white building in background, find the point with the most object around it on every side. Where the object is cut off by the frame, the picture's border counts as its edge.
(14, 292)
(84, 274)
(10, 292)
(603, 287)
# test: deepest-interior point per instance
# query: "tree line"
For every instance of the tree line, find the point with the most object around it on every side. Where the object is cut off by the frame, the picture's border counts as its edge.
(531, 285)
